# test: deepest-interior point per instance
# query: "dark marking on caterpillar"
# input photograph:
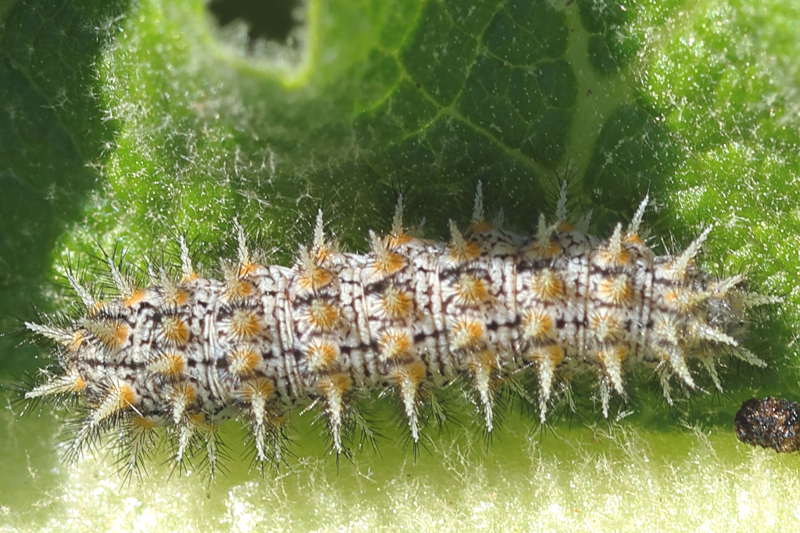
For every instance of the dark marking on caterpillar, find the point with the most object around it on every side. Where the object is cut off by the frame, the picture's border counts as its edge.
(769, 423)
(179, 355)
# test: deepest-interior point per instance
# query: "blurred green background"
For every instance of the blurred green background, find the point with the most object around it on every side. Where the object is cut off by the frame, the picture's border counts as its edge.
(123, 123)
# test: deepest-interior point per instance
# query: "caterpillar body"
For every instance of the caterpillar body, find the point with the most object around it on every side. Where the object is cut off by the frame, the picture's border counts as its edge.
(411, 315)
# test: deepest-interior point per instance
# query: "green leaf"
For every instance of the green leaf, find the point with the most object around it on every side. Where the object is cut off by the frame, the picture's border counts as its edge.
(125, 123)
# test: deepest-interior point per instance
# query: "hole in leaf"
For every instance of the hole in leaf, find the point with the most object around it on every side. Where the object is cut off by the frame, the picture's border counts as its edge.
(267, 20)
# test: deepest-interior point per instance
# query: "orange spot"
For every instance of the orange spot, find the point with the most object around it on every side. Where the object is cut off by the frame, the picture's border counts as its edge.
(257, 388)
(240, 288)
(616, 353)
(538, 324)
(547, 286)
(77, 341)
(620, 257)
(176, 330)
(170, 364)
(321, 354)
(112, 334)
(467, 251)
(143, 423)
(323, 315)
(96, 308)
(244, 361)
(633, 238)
(79, 385)
(682, 299)
(395, 343)
(125, 396)
(245, 324)
(481, 227)
(544, 251)
(467, 333)
(121, 332)
(184, 393)
(175, 364)
(605, 325)
(199, 420)
(314, 278)
(335, 383)
(399, 239)
(472, 290)
(323, 253)
(179, 297)
(119, 396)
(135, 297)
(389, 262)
(616, 290)
(565, 227)
(550, 352)
(245, 269)
(414, 372)
(396, 303)
(483, 360)
(552, 250)
(190, 277)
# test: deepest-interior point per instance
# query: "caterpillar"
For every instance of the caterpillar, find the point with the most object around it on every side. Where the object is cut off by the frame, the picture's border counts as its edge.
(180, 356)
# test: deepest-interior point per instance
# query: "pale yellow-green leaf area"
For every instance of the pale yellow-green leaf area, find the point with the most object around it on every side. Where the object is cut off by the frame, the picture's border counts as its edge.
(601, 478)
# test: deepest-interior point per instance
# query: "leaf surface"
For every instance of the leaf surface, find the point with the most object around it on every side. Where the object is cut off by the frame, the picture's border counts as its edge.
(125, 123)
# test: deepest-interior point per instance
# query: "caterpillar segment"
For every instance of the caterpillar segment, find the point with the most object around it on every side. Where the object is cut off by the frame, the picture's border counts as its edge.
(408, 316)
